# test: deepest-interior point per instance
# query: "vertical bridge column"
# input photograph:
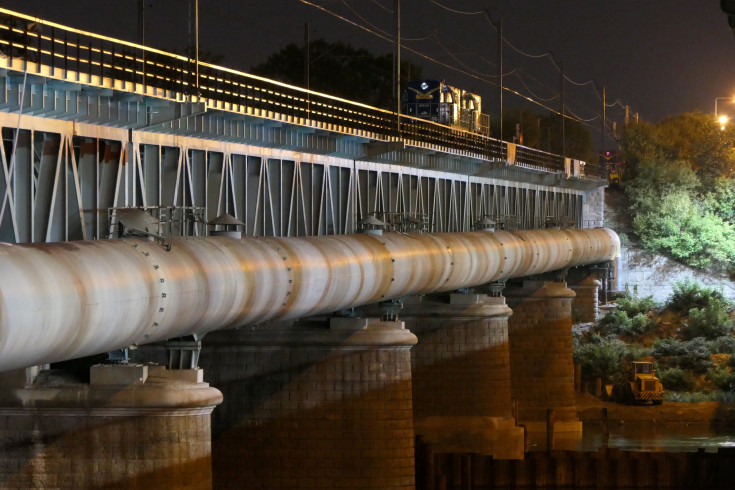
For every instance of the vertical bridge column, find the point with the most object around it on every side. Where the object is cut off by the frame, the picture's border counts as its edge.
(586, 303)
(314, 405)
(541, 355)
(461, 374)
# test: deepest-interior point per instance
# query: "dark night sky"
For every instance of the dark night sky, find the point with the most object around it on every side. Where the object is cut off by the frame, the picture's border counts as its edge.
(660, 57)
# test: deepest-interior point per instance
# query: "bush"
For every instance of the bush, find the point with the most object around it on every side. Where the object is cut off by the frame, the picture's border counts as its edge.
(690, 294)
(722, 345)
(615, 322)
(693, 355)
(718, 376)
(641, 324)
(711, 321)
(632, 305)
(677, 380)
(602, 358)
(668, 346)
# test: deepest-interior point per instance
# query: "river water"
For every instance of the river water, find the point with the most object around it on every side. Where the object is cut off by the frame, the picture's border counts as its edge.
(642, 437)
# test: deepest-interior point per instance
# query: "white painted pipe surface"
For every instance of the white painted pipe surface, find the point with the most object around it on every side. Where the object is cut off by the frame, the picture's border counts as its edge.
(71, 299)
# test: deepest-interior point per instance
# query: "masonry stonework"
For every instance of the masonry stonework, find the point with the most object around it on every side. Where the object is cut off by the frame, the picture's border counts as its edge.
(541, 355)
(149, 435)
(461, 374)
(586, 302)
(313, 407)
(460, 365)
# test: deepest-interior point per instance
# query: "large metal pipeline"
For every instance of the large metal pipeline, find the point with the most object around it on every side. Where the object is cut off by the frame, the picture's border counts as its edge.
(71, 299)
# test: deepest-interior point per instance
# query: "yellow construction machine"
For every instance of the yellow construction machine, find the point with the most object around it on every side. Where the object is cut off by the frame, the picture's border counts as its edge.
(641, 387)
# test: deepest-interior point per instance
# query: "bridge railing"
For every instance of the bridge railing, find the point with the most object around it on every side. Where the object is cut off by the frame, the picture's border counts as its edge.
(99, 57)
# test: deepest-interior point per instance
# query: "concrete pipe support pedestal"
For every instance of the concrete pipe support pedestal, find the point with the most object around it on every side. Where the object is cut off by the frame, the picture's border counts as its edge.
(586, 302)
(132, 427)
(541, 355)
(461, 374)
(324, 405)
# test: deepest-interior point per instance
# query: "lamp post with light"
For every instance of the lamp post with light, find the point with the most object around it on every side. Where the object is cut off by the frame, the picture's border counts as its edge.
(721, 119)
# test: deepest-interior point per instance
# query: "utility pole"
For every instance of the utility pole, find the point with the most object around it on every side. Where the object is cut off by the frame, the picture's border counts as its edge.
(397, 64)
(500, 72)
(499, 29)
(563, 114)
(195, 44)
(307, 53)
(604, 115)
(141, 22)
(196, 47)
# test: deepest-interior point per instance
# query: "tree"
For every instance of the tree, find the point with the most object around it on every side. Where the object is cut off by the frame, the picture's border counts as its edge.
(697, 138)
(694, 139)
(680, 189)
(339, 69)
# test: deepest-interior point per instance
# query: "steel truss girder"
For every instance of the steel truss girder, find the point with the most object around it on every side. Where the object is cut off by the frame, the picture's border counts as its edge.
(66, 176)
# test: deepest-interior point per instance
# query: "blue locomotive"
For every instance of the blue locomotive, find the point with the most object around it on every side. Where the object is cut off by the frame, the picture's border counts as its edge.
(441, 103)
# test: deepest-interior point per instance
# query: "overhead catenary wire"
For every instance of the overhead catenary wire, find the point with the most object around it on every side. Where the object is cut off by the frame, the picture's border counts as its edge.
(461, 12)
(372, 26)
(464, 69)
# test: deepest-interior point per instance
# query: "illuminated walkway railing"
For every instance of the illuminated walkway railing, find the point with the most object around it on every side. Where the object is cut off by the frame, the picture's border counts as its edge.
(132, 67)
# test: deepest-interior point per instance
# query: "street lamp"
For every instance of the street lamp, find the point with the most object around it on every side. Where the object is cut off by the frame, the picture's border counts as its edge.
(721, 98)
(721, 119)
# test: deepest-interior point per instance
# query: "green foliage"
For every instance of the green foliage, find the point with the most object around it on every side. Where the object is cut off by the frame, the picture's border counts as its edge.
(668, 347)
(690, 294)
(601, 358)
(634, 305)
(677, 379)
(707, 309)
(696, 138)
(681, 195)
(615, 322)
(693, 355)
(723, 345)
(629, 318)
(710, 322)
(720, 200)
(641, 324)
(718, 376)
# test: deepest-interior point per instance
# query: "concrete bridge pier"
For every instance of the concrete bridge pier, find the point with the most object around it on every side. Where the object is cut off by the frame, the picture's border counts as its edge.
(586, 302)
(541, 355)
(131, 426)
(461, 374)
(317, 404)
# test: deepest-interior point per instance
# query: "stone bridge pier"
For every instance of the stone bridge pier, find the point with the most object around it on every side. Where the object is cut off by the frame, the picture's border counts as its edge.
(127, 426)
(317, 404)
(461, 373)
(541, 355)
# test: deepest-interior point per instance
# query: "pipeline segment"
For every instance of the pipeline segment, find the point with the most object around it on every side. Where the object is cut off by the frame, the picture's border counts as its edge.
(71, 299)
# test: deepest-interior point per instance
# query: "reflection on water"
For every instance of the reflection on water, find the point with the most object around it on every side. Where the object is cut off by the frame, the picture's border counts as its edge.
(642, 437)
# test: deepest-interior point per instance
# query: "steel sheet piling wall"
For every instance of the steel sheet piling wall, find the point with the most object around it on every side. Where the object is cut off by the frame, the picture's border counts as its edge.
(66, 300)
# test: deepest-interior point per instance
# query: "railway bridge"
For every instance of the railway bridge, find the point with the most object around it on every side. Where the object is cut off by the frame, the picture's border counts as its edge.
(214, 280)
